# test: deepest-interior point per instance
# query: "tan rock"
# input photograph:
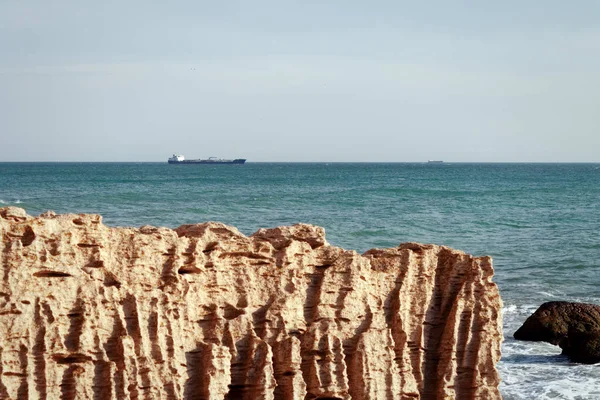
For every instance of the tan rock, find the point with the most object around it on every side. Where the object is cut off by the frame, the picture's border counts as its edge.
(204, 312)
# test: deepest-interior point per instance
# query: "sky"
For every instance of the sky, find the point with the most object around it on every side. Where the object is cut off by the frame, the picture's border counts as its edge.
(279, 80)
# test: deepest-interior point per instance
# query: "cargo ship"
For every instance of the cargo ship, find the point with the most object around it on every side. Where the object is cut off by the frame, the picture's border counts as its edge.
(180, 159)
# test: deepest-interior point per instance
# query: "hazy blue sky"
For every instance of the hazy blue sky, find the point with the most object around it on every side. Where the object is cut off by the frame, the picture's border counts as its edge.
(300, 80)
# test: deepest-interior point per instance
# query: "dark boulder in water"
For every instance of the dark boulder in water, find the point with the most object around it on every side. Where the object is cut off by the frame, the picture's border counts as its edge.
(584, 346)
(574, 327)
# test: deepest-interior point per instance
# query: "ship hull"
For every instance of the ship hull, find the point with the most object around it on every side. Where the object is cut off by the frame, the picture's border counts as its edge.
(210, 162)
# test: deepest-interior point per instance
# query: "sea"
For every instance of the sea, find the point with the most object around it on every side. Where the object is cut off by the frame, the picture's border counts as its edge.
(539, 222)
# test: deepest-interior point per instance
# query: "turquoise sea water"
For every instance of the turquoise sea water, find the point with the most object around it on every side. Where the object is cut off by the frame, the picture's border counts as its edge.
(540, 223)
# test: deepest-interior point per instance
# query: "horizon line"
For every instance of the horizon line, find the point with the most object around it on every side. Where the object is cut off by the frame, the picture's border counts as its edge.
(310, 162)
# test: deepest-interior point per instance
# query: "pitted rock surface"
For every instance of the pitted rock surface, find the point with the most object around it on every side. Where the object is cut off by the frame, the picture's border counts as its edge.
(94, 312)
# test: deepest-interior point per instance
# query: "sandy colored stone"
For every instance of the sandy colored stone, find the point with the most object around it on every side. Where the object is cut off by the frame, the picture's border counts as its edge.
(204, 312)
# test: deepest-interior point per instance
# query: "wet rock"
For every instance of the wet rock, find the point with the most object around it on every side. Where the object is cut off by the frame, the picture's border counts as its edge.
(584, 346)
(574, 327)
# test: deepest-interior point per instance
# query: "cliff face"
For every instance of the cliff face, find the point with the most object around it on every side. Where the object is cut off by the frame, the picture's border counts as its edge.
(204, 312)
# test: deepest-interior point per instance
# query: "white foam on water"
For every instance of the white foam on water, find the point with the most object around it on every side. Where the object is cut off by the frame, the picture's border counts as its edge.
(549, 378)
(509, 309)
(546, 294)
(2, 201)
(18, 202)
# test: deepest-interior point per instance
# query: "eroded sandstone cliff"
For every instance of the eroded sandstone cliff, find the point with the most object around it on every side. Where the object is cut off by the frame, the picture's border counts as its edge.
(204, 312)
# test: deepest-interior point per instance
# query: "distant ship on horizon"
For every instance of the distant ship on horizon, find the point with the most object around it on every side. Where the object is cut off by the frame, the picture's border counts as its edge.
(180, 159)
(435, 162)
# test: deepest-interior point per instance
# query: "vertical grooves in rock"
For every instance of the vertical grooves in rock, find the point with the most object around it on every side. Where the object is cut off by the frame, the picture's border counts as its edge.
(205, 312)
(286, 369)
(115, 352)
(4, 264)
(356, 386)
(67, 385)
(416, 293)
(309, 368)
(332, 371)
(282, 377)
(130, 310)
(190, 252)
(3, 388)
(467, 370)
(170, 344)
(240, 365)
(76, 319)
(170, 391)
(448, 351)
(259, 319)
(169, 271)
(23, 392)
(176, 365)
(132, 326)
(7, 251)
(103, 379)
(260, 380)
(313, 294)
(463, 373)
(446, 288)
(195, 387)
(153, 330)
(393, 320)
(39, 352)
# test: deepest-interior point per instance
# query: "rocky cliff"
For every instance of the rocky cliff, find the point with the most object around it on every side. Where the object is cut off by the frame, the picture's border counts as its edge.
(204, 312)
